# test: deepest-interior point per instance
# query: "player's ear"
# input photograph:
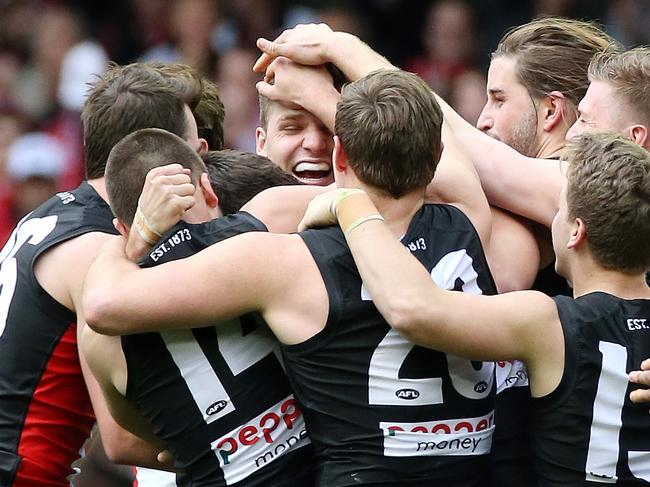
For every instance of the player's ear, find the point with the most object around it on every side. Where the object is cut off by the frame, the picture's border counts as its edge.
(554, 109)
(339, 156)
(203, 146)
(639, 135)
(578, 234)
(210, 196)
(260, 141)
(121, 227)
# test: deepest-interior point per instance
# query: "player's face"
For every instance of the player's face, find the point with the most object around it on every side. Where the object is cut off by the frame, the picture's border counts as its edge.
(598, 110)
(560, 231)
(299, 143)
(509, 114)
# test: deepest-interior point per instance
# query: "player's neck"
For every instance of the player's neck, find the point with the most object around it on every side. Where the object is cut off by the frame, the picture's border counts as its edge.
(588, 279)
(99, 185)
(551, 147)
(397, 212)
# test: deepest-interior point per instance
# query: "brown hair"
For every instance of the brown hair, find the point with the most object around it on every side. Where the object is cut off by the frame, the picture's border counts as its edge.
(629, 74)
(202, 96)
(125, 99)
(389, 124)
(184, 79)
(553, 54)
(238, 176)
(209, 114)
(134, 156)
(608, 187)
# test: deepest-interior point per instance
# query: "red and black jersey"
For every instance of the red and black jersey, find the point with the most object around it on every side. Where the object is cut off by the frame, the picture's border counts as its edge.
(45, 411)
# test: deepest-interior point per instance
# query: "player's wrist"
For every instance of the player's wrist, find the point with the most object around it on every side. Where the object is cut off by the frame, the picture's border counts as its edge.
(353, 208)
(147, 232)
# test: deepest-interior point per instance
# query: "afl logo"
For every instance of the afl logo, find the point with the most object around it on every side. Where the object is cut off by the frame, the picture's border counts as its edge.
(407, 394)
(216, 407)
(481, 387)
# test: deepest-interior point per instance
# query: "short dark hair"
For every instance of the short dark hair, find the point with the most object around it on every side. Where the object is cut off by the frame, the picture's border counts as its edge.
(126, 99)
(238, 176)
(134, 156)
(209, 115)
(608, 187)
(389, 124)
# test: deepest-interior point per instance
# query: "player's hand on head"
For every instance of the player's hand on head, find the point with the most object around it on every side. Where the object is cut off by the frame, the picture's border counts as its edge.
(641, 377)
(167, 193)
(293, 84)
(304, 44)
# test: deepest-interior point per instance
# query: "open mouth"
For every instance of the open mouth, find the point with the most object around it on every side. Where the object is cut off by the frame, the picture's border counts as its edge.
(317, 173)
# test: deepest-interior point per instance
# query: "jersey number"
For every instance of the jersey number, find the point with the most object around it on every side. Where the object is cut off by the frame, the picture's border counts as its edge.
(28, 231)
(385, 387)
(607, 421)
(238, 350)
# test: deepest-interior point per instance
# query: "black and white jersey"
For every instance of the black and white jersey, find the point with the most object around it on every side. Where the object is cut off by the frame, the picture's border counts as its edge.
(218, 396)
(45, 411)
(512, 462)
(587, 431)
(379, 409)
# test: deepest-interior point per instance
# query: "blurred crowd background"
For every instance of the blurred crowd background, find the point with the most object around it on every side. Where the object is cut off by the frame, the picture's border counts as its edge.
(49, 50)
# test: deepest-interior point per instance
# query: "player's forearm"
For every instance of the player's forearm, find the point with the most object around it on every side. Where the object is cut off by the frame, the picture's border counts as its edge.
(525, 186)
(106, 283)
(353, 56)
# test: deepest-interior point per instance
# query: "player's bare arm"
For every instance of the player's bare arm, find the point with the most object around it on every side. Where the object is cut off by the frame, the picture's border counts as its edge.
(61, 271)
(523, 325)
(525, 186)
(528, 187)
(316, 44)
(103, 357)
(272, 274)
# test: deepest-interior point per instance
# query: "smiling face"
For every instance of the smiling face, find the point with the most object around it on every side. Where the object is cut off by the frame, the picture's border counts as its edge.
(298, 142)
(509, 114)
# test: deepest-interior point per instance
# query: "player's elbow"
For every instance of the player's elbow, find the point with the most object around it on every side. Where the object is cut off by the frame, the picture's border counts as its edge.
(98, 313)
(118, 450)
(405, 314)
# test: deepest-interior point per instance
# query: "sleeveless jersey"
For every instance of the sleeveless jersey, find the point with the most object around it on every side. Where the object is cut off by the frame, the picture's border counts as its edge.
(512, 462)
(587, 431)
(379, 409)
(45, 411)
(218, 396)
